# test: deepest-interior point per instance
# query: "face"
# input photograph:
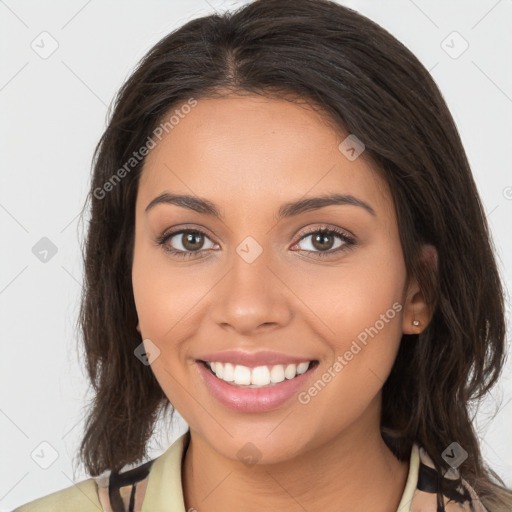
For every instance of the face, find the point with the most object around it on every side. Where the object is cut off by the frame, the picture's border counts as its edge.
(258, 285)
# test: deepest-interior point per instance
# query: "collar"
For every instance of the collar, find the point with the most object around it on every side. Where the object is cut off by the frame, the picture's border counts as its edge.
(157, 485)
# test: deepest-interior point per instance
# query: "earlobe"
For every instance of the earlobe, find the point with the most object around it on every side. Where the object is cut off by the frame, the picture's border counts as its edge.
(138, 328)
(417, 314)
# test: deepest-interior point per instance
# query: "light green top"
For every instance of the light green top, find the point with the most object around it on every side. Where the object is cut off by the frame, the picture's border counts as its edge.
(164, 489)
(163, 494)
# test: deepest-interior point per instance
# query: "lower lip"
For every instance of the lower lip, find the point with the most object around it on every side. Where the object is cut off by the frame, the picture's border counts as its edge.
(244, 399)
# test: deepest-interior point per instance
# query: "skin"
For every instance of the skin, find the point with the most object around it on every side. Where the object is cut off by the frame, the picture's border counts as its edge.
(248, 155)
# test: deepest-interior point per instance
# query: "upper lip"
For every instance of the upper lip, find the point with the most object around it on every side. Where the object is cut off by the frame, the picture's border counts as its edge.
(253, 359)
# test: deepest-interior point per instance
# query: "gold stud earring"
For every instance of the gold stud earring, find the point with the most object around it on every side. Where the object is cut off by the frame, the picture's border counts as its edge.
(415, 322)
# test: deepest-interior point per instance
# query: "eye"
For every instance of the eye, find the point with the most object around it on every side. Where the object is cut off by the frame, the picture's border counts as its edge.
(185, 242)
(323, 241)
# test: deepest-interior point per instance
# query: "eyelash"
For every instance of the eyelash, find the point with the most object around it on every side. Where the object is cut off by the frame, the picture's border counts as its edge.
(348, 241)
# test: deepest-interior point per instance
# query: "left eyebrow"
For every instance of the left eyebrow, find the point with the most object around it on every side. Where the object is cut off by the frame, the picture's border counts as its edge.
(206, 207)
(315, 203)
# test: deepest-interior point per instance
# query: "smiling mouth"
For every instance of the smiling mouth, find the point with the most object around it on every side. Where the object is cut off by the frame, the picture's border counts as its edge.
(258, 377)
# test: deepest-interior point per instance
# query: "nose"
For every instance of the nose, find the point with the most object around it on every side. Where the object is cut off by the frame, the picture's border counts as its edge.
(251, 296)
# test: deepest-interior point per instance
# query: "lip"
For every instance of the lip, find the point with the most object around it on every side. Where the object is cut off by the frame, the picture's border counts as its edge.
(253, 359)
(243, 399)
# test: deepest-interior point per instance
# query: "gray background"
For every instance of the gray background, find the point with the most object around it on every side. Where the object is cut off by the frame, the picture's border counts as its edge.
(53, 113)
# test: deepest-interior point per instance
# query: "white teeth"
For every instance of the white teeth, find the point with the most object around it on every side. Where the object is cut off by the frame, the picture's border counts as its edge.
(290, 371)
(302, 367)
(259, 376)
(277, 373)
(218, 369)
(229, 372)
(242, 375)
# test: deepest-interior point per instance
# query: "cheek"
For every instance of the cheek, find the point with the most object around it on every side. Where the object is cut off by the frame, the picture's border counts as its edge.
(353, 296)
(359, 315)
(162, 300)
(150, 301)
(371, 321)
(164, 294)
(368, 302)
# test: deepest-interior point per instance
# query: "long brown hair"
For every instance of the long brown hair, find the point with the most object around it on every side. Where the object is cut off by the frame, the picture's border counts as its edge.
(369, 84)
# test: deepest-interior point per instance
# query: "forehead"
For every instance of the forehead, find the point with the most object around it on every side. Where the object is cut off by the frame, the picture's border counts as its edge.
(255, 150)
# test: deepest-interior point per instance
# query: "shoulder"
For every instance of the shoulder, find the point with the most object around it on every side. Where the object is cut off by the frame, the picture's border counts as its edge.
(457, 494)
(123, 490)
(112, 490)
(80, 497)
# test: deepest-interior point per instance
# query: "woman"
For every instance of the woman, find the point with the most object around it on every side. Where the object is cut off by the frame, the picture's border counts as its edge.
(286, 244)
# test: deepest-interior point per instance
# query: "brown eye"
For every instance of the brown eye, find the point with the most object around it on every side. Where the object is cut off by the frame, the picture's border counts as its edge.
(323, 241)
(185, 242)
(192, 241)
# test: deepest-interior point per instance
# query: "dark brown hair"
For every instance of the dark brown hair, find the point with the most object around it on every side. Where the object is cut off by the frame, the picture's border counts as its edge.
(367, 83)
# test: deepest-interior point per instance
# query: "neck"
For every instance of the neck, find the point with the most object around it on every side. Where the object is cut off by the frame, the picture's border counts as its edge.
(353, 471)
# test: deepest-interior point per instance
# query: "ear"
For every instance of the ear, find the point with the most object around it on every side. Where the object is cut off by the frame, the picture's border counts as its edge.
(138, 328)
(417, 314)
